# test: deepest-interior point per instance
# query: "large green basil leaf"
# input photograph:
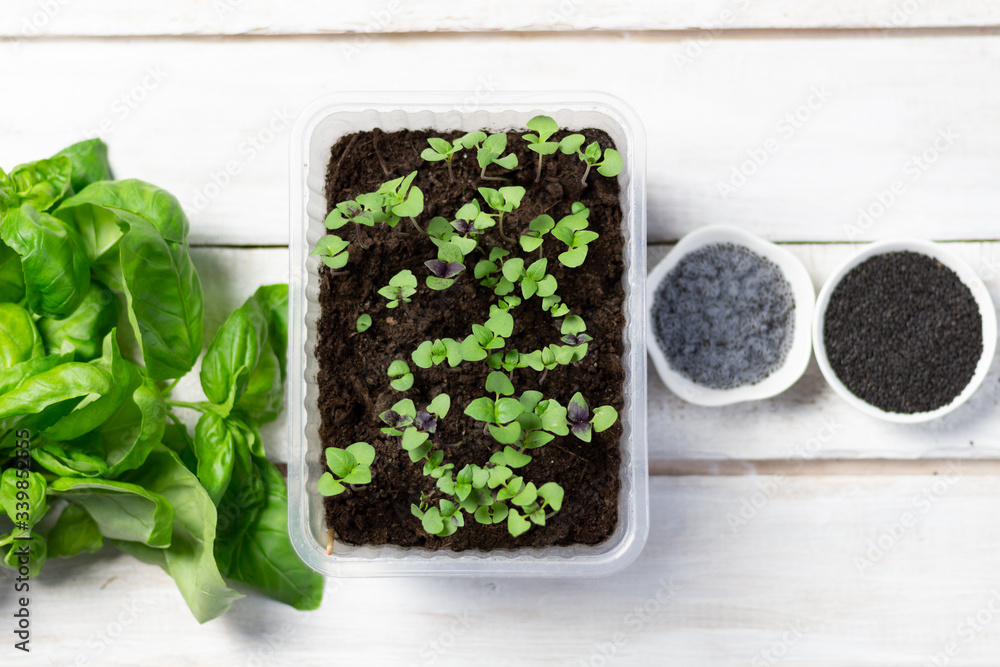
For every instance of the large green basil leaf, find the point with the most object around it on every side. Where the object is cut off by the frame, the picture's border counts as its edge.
(89, 160)
(56, 269)
(136, 427)
(164, 300)
(262, 555)
(81, 333)
(98, 209)
(82, 457)
(214, 447)
(8, 199)
(33, 423)
(190, 559)
(11, 550)
(19, 337)
(274, 301)
(22, 496)
(74, 533)
(241, 504)
(233, 354)
(11, 274)
(40, 184)
(13, 377)
(64, 383)
(122, 510)
(94, 410)
(177, 439)
(263, 398)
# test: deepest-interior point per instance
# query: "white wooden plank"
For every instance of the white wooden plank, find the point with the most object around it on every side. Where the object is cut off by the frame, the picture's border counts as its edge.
(749, 570)
(809, 420)
(205, 104)
(29, 18)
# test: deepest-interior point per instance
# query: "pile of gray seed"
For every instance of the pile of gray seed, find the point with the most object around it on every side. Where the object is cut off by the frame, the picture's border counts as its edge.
(724, 316)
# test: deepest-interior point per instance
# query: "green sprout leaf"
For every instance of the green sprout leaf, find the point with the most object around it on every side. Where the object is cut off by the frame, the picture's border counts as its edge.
(571, 143)
(516, 524)
(552, 494)
(328, 486)
(401, 287)
(604, 418)
(402, 377)
(491, 152)
(364, 322)
(543, 126)
(612, 164)
(332, 250)
(490, 514)
(440, 405)
(498, 383)
(482, 410)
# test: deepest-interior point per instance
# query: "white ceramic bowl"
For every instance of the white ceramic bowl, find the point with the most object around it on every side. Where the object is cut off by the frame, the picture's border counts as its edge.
(964, 273)
(802, 292)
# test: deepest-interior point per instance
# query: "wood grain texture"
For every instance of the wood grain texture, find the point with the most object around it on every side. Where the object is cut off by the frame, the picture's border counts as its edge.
(807, 571)
(901, 138)
(28, 18)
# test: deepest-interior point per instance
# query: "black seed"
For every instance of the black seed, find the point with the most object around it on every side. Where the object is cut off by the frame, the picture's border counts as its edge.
(903, 332)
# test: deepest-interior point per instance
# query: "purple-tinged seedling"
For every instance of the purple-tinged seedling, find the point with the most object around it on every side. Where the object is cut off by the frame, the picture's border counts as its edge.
(398, 417)
(582, 424)
(572, 330)
(472, 213)
(446, 267)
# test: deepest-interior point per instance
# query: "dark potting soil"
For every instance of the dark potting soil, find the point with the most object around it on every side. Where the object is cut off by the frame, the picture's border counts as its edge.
(354, 388)
(903, 332)
(724, 316)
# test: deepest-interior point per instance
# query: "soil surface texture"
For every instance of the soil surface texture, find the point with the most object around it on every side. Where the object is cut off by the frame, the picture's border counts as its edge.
(354, 387)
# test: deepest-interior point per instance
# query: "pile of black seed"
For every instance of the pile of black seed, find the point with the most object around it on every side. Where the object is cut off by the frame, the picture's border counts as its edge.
(903, 332)
(724, 316)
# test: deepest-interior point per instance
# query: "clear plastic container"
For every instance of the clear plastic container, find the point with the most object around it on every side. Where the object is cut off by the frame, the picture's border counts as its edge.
(320, 125)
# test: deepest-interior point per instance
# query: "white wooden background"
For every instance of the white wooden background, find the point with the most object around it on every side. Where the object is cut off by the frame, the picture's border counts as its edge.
(792, 531)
